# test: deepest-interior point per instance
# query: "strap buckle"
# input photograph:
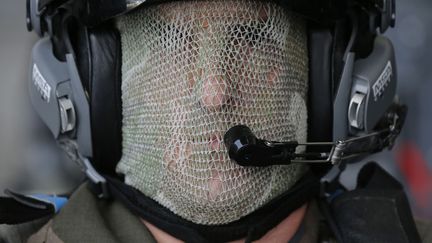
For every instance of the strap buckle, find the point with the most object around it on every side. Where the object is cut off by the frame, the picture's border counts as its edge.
(98, 183)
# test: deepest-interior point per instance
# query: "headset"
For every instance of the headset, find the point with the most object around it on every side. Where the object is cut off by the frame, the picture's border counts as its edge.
(353, 110)
(75, 78)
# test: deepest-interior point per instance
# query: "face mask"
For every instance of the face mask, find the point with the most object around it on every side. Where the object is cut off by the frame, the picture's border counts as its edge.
(193, 69)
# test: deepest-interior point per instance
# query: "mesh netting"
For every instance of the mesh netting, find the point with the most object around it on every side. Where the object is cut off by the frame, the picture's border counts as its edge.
(191, 70)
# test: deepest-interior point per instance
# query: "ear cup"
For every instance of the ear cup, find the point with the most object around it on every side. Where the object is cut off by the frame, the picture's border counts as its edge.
(320, 96)
(98, 54)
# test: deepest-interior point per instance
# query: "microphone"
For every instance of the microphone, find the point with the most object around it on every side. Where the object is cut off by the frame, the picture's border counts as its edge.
(247, 150)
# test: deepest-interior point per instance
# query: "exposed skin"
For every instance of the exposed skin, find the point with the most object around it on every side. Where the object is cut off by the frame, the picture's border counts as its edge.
(282, 233)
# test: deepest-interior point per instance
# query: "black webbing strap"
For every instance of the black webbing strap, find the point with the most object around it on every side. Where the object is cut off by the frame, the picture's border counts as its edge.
(17, 209)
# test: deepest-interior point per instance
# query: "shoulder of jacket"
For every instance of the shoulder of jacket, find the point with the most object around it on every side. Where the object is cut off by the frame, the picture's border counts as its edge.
(45, 234)
(425, 230)
(21, 232)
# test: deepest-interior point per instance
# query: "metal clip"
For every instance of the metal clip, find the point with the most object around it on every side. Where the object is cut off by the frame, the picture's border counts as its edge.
(356, 110)
(98, 181)
(67, 115)
(358, 146)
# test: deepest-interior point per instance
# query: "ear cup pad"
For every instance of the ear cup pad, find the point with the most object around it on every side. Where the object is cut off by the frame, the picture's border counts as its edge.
(320, 96)
(98, 56)
(320, 115)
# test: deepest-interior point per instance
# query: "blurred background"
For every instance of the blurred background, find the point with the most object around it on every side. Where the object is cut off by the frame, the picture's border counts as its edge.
(30, 159)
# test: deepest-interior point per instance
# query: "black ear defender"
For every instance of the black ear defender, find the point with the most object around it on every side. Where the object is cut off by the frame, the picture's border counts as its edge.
(373, 88)
(58, 97)
(367, 117)
(55, 86)
(366, 91)
(82, 116)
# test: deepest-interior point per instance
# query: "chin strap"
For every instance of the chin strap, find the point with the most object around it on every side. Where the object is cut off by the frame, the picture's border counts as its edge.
(18, 208)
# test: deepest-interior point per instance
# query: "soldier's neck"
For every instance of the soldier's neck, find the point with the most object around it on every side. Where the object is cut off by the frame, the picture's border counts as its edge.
(283, 232)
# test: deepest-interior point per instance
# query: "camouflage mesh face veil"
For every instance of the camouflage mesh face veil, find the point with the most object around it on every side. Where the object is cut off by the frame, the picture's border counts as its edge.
(192, 70)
